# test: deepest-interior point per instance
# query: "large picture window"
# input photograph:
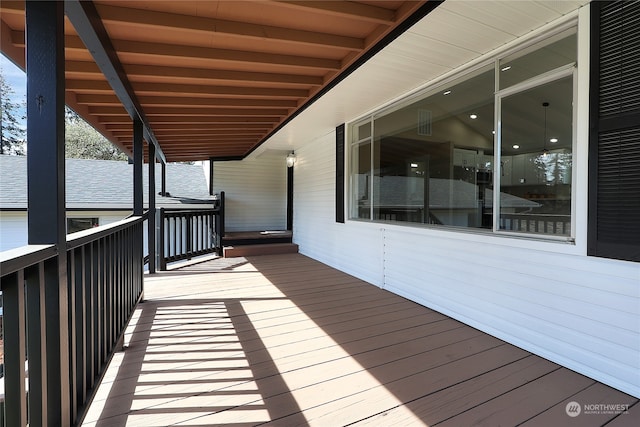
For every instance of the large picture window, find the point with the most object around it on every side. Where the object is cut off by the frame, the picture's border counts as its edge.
(436, 158)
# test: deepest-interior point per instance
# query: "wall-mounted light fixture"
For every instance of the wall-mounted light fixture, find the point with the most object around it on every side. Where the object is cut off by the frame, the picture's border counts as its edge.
(291, 159)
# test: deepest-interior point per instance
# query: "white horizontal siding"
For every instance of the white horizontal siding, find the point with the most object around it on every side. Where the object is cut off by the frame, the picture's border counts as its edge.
(255, 192)
(13, 230)
(104, 217)
(585, 318)
(314, 226)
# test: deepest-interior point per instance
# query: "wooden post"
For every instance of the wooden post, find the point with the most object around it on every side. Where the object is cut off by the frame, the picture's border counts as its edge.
(137, 167)
(151, 233)
(46, 194)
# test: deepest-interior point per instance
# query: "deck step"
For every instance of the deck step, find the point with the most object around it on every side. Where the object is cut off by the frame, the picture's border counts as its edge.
(238, 238)
(260, 249)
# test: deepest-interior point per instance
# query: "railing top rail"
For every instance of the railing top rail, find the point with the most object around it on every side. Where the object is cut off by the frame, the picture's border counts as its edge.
(16, 259)
(145, 215)
(80, 238)
(190, 211)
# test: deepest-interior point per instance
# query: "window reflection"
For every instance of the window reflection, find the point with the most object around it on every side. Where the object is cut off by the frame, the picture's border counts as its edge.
(539, 122)
(431, 159)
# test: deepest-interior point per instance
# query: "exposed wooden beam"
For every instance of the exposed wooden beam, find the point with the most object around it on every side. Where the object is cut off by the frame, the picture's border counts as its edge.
(13, 51)
(95, 99)
(155, 20)
(107, 110)
(87, 23)
(208, 139)
(205, 54)
(232, 150)
(91, 86)
(218, 102)
(205, 90)
(241, 121)
(204, 119)
(200, 139)
(182, 151)
(80, 86)
(197, 133)
(193, 126)
(207, 155)
(12, 6)
(184, 101)
(346, 9)
(217, 112)
(171, 73)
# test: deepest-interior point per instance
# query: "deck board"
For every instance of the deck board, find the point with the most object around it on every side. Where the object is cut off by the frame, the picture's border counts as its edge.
(283, 340)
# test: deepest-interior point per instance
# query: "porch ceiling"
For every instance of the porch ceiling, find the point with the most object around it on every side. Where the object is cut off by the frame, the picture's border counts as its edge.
(214, 78)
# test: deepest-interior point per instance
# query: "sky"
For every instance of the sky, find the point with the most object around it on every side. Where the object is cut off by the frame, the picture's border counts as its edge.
(15, 78)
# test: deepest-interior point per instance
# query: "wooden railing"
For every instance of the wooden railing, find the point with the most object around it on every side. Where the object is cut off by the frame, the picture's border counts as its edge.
(536, 223)
(103, 283)
(185, 234)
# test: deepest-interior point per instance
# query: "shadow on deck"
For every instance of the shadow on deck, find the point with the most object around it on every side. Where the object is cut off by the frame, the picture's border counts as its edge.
(284, 340)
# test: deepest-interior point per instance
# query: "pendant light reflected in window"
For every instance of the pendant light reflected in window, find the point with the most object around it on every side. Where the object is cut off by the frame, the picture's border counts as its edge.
(545, 152)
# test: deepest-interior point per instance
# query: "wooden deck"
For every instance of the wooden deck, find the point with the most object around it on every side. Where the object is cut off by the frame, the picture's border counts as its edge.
(284, 340)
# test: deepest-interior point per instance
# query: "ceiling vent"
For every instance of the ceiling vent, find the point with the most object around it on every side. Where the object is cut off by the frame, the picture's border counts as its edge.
(424, 122)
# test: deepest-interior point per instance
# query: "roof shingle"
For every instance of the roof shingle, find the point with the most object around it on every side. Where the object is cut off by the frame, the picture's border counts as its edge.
(106, 184)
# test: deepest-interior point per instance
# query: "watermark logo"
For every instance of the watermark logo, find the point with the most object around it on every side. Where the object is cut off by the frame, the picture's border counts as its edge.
(573, 409)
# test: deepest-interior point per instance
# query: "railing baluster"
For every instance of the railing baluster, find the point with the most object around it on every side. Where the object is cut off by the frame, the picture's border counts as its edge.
(36, 324)
(103, 299)
(80, 325)
(163, 253)
(185, 234)
(71, 314)
(15, 393)
(90, 305)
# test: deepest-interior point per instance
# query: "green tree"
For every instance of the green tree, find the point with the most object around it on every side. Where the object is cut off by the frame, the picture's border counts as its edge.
(12, 132)
(84, 142)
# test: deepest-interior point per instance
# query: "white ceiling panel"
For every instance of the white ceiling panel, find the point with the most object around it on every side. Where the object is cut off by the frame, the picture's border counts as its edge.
(415, 70)
(453, 34)
(425, 48)
(448, 26)
(513, 17)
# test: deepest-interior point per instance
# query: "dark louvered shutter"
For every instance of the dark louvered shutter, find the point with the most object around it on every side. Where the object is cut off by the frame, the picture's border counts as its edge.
(340, 173)
(614, 156)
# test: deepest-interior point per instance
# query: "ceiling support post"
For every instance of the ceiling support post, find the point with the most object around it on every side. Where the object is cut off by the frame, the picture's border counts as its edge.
(47, 214)
(211, 176)
(137, 168)
(163, 190)
(152, 210)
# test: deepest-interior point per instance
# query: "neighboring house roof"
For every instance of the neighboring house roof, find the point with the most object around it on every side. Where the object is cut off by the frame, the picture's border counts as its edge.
(106, 185)
(392, 191)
